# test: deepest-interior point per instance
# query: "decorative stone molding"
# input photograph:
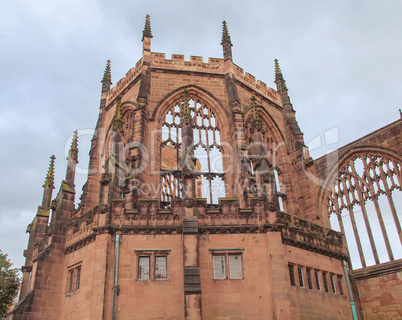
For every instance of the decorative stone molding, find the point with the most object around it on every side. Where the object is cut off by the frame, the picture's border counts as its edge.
(272, 206)
(79, 244)
(301, 223)
(89, 217)
(229, 205)
(189, 203)
(26, 268)
(54, 203)
(283, 218)
(103, 208)
(106, 178)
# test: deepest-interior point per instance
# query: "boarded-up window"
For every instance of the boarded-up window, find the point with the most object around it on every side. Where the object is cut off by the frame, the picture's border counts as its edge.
(235, 268)
(143, 268)
(219, 267)
(160, 267)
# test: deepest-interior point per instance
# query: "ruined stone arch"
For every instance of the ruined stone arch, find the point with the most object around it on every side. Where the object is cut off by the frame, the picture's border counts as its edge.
(361, 196)
(209, 122)
(163, 105)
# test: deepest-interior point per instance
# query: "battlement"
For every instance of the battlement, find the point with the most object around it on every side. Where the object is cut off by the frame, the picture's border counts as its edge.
(196, 63)
(124, 82)
(257, 85)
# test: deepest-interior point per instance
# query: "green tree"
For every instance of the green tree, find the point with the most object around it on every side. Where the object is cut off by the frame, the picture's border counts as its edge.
(9, 284)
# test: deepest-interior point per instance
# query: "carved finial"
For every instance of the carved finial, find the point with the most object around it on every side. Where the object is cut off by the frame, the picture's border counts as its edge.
(73, 153)
(49, 181)
(400, 113)
(117, 120)
(225, 34)
(107, 76)
(147, 30)
(280, 82)
(186, 108)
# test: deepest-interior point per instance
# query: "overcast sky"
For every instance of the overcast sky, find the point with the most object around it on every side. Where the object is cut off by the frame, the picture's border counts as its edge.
(341, 61)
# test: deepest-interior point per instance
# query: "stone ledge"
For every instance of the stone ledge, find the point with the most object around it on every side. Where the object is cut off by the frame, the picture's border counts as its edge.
(377, 270)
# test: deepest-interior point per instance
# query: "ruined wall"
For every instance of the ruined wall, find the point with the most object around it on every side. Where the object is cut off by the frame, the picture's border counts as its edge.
(380, 290)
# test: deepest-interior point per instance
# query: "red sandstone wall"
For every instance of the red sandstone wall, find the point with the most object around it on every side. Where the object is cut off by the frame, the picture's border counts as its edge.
(381, 293)
(247, 298)
(309, 303)
(150, 299)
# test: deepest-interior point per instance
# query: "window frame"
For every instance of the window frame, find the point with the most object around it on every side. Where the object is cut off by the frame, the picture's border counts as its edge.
(333, 285)
(228, 265)
(291, 268)
(74, 273)
(140, 275)
(339, 279)
(164, 277)
(325, 280)
(152, 255)
(317, 280)
(300, 276)
(309, 279)
(214, 262)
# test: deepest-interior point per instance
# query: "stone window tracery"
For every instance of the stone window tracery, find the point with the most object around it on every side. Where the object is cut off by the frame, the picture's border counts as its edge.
(207, 151)
(365, 203)
(128, 126)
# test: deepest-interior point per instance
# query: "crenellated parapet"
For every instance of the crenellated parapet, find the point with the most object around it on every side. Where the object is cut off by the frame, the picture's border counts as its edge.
(124, 82)
(196, 63)
(257, 85)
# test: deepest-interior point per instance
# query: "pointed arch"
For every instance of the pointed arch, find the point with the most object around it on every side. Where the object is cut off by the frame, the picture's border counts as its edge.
(209, 123)
(163, 105)
(357, 198)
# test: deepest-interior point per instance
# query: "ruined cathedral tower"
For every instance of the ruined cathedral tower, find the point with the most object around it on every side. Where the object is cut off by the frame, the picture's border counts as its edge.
(199, 204)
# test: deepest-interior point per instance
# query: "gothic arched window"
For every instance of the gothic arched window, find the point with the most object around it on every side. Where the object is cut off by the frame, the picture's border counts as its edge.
(365, 204)
(207, 150)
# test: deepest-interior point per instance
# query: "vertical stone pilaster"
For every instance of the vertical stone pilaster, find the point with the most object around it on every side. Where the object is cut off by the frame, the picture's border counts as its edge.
(192, 280)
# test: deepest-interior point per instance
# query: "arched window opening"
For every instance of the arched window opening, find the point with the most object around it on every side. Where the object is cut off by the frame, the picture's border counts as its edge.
(363, 204)
(207, 151)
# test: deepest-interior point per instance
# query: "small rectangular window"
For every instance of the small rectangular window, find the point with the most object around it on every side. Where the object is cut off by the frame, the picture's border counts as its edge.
(160, 267)
(332, 277)
(143, 268)
(71, 280)
(340, 285)
(300, 274)
(78, 278)
(235, 270)
(292, 275)
(317, 280)
(324, 278)
(219, 267)
(309, 281)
